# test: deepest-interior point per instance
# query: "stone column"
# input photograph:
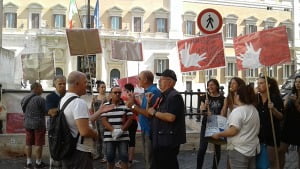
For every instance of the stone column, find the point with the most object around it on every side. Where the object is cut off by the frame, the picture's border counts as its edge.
(296, 18)
(175, 19)
(1, 21)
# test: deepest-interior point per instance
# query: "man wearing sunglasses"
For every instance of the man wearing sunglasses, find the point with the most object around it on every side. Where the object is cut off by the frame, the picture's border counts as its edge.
(116, 122)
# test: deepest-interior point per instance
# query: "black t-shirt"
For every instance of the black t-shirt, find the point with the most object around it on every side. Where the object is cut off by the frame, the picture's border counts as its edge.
(215, 103)
(265, 134)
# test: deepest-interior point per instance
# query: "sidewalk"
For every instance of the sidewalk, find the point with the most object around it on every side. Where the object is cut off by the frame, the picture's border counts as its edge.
(187, 160)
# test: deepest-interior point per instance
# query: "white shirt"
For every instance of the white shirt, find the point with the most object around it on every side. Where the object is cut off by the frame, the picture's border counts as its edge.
(246, 119)
(77, 109)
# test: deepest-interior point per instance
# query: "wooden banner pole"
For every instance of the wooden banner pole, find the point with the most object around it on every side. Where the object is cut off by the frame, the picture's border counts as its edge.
(272, 121)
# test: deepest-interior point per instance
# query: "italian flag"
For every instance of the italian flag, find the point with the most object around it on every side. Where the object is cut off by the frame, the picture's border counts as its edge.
(72, 12)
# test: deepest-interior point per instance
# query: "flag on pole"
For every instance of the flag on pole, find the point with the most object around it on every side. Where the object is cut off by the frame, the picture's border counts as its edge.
(97, 15)
(201, 53)
(72, 12)
(264, 48)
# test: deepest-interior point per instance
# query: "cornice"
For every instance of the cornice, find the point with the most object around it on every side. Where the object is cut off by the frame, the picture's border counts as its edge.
(247, 4)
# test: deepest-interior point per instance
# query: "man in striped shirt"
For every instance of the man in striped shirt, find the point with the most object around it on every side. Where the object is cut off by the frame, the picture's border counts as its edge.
(116, 123)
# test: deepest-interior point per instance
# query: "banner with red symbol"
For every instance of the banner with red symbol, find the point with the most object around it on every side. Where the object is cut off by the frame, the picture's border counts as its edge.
(263, 48)
(201, 53)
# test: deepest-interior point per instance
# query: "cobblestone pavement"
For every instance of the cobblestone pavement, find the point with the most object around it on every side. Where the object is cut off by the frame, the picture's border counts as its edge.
(187, 160)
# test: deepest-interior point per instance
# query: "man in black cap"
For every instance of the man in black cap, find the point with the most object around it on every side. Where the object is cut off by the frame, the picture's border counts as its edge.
(168, 123)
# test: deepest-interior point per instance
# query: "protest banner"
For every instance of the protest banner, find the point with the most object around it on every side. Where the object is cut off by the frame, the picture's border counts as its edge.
(264, 48)
(201, 53)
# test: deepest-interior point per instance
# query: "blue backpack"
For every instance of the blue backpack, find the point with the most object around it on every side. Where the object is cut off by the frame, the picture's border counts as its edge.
(61, 142)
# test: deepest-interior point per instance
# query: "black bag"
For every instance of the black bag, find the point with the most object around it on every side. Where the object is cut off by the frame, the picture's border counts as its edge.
(61, 141)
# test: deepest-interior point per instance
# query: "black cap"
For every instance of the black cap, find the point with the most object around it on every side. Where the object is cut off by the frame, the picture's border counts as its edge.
(168, 73)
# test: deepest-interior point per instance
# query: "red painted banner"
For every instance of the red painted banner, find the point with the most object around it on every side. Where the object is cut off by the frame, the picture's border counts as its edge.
(264, 48)
(201, 53)
(15, 123)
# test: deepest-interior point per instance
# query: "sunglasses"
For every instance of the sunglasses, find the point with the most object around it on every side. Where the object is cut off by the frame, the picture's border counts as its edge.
(116, 92)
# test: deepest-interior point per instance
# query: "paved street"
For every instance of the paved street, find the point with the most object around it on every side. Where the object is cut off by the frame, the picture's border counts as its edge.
(187, 160)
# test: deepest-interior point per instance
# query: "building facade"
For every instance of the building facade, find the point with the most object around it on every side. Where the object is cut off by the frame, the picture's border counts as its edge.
(33, 26)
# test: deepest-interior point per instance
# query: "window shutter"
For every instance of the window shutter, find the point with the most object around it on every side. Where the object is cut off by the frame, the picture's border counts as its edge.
(167, 63)
(225, 31)
(120, 22)
(110, 19)
(156, 25)
(193, 28)
(155, 66)
(15, 20)
(4, 20)
(184, 27)
(53, 20)
(234, 30)
(166, 26)
(64, 18)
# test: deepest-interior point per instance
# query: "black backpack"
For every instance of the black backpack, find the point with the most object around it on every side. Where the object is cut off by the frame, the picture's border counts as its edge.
(61, 142)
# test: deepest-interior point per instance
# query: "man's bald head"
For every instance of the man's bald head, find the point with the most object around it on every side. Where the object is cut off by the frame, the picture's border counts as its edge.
(74, 77)
(77, 82)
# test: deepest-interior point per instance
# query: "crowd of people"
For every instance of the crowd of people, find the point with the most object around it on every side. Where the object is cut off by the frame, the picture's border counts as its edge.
(256, 118)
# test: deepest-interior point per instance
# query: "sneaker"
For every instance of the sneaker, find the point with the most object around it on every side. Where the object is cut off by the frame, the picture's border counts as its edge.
(103, 160)
(118, 164)
(28, 166)
(42, 165)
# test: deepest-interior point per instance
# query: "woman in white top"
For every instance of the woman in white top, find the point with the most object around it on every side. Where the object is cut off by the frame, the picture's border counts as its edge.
(242, 132)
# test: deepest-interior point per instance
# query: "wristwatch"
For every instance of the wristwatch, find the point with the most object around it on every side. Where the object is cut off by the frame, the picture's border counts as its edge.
(133, 106)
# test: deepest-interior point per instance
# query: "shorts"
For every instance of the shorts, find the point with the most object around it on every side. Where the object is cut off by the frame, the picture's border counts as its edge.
(35, 137)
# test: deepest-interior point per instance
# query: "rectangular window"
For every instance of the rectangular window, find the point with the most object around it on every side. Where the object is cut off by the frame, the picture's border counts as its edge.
(10, 20)
(160, 65)
(252, 72)
(59, 21)
(116, 22)
(231, 30)
(161, 25)
(251, 29)
(190, 27)
(137, 24)
(231, 69)
(85, 62)
(290, 34)
(188, 73)
(272, 71)
(35, 20)
(288, 70)
(85, 21)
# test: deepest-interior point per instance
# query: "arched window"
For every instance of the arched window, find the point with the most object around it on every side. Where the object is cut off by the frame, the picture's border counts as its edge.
(59, 71)
(114, 76)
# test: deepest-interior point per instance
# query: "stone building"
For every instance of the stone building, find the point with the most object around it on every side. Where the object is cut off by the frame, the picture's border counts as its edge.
(34, 26)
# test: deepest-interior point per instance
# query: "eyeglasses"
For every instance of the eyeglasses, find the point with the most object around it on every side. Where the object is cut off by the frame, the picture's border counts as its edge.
(116, 92)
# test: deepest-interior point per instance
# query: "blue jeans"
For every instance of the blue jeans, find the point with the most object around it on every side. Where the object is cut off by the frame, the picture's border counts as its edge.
(112, 147)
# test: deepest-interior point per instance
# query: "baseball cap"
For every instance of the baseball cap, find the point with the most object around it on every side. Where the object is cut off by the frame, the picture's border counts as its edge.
(168, 73)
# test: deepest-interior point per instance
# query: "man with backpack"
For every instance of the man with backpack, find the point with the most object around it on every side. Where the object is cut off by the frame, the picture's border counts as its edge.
(52, 102)
(77, 117)
(33, 106)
